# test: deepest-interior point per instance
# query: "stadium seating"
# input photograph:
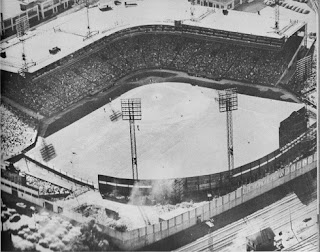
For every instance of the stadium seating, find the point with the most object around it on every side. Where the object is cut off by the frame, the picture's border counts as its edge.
(17, 131)
(101, 65)
(45, 187)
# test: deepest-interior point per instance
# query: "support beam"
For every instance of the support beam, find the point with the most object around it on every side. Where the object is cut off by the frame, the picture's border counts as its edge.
(230, 141)
(133, 150)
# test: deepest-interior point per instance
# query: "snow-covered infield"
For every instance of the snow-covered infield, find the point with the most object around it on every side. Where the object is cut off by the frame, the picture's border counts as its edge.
(181, 134)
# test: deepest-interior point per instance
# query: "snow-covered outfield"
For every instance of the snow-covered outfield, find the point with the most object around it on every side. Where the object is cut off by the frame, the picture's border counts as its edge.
(181, 134)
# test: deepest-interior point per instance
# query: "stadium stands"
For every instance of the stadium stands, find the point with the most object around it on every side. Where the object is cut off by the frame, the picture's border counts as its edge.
(113, 57)
(17, 131)
(45, 187)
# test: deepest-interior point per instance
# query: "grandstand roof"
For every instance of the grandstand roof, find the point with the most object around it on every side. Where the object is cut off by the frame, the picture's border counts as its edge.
(68, 31)
(236, 21)
(10, 8)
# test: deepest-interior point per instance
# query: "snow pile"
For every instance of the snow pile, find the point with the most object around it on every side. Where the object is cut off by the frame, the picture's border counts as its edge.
(239, 242)
(22, 244)
(175, 210)
(92, 238)
(44, 232)
(22, 223)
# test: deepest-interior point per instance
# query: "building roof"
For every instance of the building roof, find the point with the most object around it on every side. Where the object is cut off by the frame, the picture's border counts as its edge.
(236, 21)
(10, 8)
(67, 32)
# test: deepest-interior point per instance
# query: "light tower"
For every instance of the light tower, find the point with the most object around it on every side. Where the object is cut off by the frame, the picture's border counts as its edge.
(22, 26)
(192, 9)
(276, 15)
(131, 111)
(89, 32)
(228, 101)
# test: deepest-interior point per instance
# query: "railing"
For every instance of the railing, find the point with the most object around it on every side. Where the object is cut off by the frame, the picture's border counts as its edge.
(65, 175)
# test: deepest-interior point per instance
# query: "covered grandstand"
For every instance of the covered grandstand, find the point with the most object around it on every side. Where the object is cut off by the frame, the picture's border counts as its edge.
(58, 85)
(75, 80)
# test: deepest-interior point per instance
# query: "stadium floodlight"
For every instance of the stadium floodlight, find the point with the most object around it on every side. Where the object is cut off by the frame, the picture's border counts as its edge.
(131, 111)
(89, 32)
(228, 101)
(192, 10)
(276, 15)
(22, 26)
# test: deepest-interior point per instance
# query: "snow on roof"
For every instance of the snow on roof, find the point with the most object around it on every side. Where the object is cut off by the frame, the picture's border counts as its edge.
(10, 8)
(169, 215)
(68, 31)
(249, 23)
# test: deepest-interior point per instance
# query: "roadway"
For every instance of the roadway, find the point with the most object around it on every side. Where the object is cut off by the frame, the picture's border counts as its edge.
(285, 215)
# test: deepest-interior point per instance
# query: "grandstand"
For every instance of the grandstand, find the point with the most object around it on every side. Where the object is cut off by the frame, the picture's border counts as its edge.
(52, 88)
(209, 46)
(72, 96)
(156, 46)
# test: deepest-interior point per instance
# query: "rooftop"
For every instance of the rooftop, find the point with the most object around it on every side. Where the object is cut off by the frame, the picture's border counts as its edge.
(67, 32)
(10, 8)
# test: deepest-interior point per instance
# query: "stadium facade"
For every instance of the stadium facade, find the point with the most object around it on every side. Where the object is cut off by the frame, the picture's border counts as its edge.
(54, 80)
(289, 45)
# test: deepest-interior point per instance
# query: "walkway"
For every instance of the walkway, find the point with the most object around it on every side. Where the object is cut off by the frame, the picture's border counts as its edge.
(23, 109)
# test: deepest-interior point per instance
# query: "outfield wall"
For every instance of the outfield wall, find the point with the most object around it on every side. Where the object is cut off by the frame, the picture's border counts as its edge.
(217, 183)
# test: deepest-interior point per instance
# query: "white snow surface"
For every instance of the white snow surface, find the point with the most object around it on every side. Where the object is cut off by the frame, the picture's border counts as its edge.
(68, 31)
(181, 134)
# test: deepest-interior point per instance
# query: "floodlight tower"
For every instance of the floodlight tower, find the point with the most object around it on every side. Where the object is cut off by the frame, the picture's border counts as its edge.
(276, 15)
(192, 9)
(131, 111)
(89, 32)
(228, 101)
(22, 26)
